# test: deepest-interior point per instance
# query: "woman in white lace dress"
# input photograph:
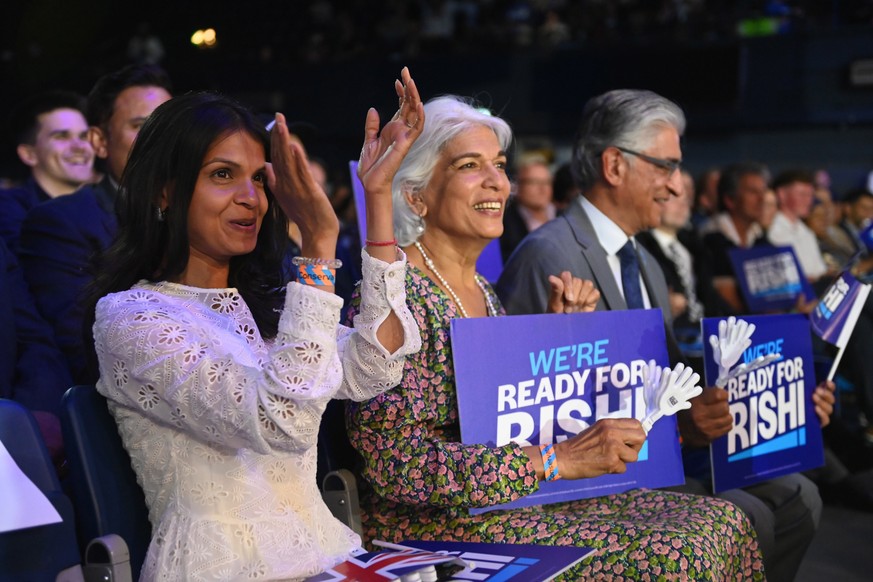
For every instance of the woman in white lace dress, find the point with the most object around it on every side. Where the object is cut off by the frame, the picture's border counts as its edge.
(216, 379)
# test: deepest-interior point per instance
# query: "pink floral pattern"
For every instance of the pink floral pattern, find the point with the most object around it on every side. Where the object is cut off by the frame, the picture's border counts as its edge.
(422, 481)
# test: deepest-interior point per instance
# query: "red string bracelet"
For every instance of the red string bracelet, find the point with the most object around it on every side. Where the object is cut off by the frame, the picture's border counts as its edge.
(382, 243)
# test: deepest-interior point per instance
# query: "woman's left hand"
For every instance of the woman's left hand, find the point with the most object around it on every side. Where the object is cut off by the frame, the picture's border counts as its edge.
(299, 195)
(824, 400)
(571, 294)
(383, 151)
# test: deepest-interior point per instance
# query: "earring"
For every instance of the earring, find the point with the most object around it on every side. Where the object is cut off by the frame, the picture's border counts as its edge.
(161, 213)
(419, 228)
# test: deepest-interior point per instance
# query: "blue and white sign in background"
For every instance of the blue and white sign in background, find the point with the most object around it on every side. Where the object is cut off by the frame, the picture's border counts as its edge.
(538, 379)
(770, 278)
(775, 429)
(834, 317)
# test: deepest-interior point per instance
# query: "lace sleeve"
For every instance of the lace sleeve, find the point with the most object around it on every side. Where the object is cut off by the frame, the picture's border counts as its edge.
(368, 367)
(175, 365)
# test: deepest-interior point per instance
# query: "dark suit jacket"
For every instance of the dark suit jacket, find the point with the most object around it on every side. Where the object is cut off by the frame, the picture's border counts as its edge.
(514, 229)
(15, 203)
(32, 369)
(60, 240)
(569, 243)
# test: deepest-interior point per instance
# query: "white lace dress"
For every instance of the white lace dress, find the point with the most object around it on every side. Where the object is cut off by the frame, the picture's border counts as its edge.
(221, 426)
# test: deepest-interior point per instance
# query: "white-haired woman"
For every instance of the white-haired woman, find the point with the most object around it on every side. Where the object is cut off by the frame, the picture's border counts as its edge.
(449, 196)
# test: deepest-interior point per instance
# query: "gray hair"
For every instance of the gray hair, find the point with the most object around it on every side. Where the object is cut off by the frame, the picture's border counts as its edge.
(624, 117)
(445, 118)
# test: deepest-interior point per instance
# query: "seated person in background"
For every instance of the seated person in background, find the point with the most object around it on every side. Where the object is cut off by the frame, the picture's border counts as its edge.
(217, 378)
(51, 139)
(795, 190)
(831, 251)
(448, 198)
(626, 159)
(32, 368)
(857, 213)
(61, 239)
(531, 205)
(677, 248)
(742, 189)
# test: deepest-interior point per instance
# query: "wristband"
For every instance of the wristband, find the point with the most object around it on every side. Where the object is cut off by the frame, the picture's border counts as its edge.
(316, 275)
(382, 243)
(329, 263)
(550, 462)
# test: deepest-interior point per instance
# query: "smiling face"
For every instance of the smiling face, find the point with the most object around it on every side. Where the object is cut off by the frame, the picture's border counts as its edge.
(227, 207)
(61, 158)
(646, 187)
(467, 193)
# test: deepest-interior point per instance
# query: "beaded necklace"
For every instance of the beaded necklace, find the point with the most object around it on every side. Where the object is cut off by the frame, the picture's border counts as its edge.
(492, 309)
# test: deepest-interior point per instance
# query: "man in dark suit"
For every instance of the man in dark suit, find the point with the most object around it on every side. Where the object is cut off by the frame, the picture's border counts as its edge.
(626, 159)
(61, 238)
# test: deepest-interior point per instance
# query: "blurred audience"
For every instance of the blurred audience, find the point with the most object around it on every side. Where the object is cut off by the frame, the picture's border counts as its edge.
(531, 206)
(62, 239)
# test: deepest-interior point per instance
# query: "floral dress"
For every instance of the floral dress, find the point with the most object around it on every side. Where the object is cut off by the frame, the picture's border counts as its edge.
(221, 425)
(422, 480)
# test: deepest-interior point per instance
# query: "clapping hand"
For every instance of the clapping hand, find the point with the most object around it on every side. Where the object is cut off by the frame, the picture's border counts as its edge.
(298, 193)
(571, 294)
(383, 151)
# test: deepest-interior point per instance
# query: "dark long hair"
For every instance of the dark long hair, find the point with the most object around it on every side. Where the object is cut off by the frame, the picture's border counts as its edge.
(167, 156)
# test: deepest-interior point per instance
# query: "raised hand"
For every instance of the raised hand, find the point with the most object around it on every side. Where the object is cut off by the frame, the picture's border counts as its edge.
(675, 389)
(383, 151)
(299, 195)
(381, 156)
(571, 294)
(734, 336)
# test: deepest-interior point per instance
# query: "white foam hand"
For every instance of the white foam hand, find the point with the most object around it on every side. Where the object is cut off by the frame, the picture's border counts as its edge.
(651, 384)
(734, 337)
(675, 389)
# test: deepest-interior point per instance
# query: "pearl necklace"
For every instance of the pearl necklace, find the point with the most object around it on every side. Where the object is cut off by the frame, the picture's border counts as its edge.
(492, 309)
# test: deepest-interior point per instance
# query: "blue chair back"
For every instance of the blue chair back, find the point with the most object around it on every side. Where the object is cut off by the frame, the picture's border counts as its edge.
(42, 552)
(106, 494)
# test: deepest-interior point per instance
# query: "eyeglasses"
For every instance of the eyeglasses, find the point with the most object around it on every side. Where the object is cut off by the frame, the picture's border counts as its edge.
(669, 166)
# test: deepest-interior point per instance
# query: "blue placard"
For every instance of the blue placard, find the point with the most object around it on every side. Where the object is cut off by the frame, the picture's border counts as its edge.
(776, 430)
(536, 379)
(770, 278)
